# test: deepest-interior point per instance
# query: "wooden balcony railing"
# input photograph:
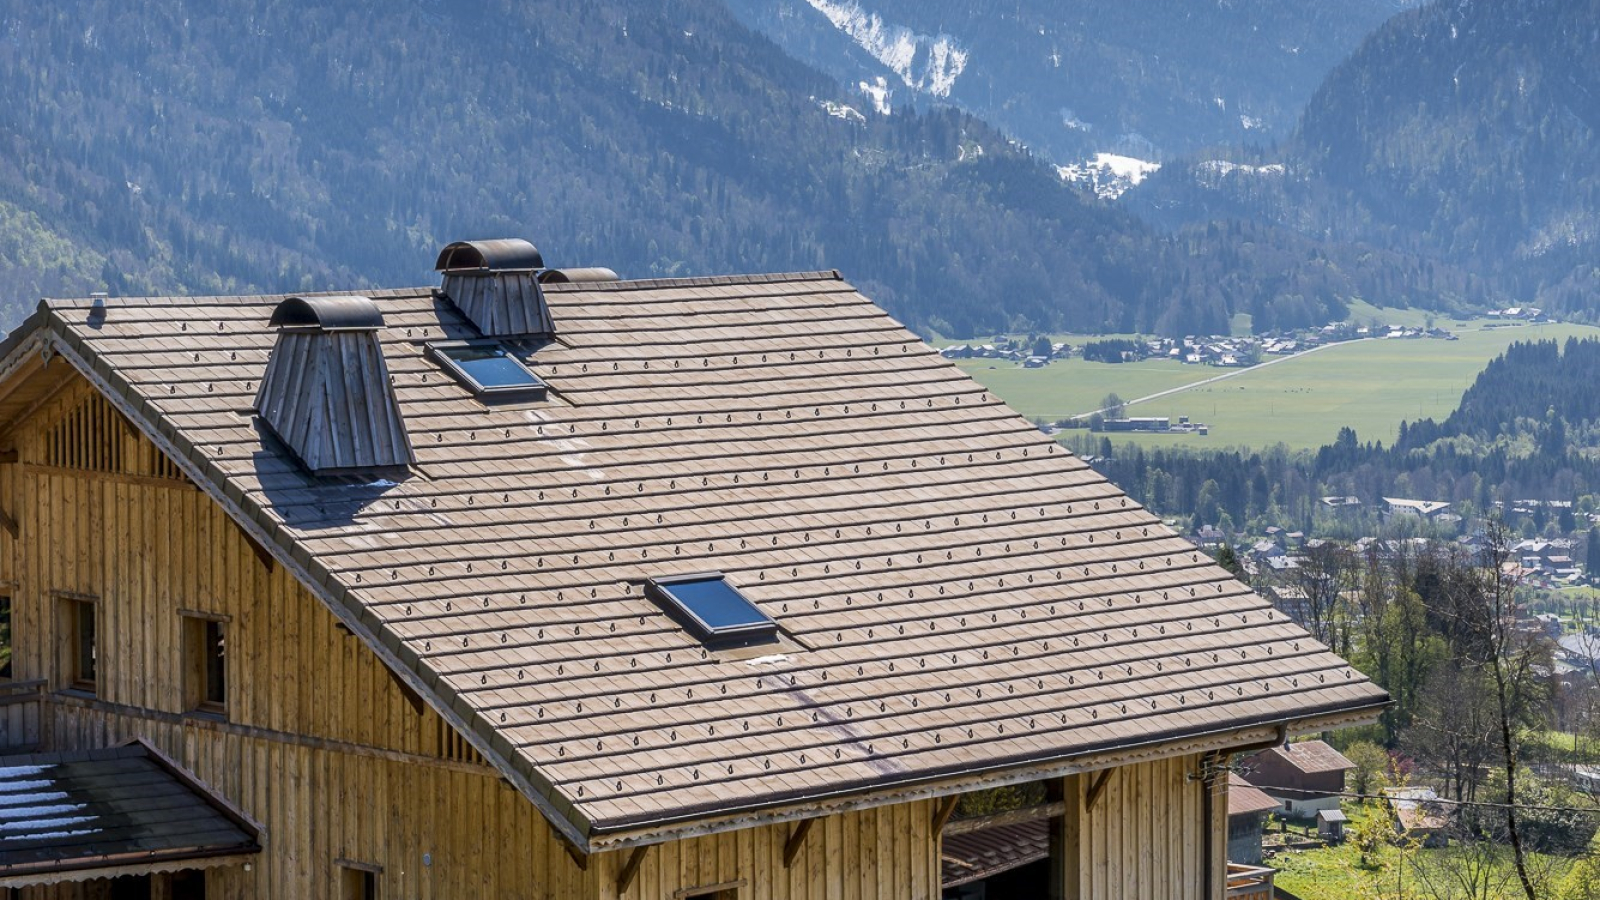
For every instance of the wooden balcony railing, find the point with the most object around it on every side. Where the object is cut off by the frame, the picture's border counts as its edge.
(21, 709)
(1249, 882)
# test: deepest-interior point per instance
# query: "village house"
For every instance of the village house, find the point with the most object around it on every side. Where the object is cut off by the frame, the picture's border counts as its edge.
(1305, 776)
(1248, 807)
(1426, 510)
(538, 583)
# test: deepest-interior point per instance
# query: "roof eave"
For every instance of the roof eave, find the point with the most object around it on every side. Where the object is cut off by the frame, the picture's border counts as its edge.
(623, 834)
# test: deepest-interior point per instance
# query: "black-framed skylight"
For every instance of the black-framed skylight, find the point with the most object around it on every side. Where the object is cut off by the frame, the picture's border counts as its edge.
(712, 609)
(489, 370)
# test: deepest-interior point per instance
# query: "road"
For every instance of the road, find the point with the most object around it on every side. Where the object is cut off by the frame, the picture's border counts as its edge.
(1231, 373)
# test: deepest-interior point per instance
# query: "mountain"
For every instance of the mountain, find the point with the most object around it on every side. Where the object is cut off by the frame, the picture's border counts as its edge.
(1148, 79)
(1463, 131)
(244, 145)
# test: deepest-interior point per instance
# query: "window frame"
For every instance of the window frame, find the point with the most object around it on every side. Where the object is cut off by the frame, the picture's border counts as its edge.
(359, 880)
(71, 661)
(659, 589)
(196, 628)
(440, 352)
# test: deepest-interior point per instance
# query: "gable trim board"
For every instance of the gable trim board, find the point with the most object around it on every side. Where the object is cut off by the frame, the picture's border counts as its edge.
(605, 325)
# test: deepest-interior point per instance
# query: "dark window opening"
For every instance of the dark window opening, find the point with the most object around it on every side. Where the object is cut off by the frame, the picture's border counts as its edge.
(187, 885)
(359, 881)
(713, 609)
(489, 371)
(5, 636)
(206, 664)
(130, 887)
(82, 657)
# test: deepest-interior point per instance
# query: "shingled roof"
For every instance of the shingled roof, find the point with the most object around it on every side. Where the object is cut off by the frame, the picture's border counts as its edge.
(960, 594)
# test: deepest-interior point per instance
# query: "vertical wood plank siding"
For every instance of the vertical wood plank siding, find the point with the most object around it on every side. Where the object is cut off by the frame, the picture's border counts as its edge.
(322, 747)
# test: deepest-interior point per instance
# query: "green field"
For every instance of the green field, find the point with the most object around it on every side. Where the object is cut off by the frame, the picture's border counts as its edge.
(1301, 401)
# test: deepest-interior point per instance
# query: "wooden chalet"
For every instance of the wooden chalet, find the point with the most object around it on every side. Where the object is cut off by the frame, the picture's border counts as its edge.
(1307, 776)
(582, 588)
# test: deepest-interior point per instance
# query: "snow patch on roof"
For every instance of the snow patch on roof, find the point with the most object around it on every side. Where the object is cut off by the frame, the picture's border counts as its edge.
(928, 63)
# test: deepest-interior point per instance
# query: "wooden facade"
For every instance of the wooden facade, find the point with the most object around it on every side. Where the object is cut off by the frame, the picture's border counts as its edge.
(346, 772)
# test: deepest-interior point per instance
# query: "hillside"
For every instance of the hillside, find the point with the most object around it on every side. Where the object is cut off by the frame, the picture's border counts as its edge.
(235, 146)
(228, 146)
(1461, 131)
(1146, 78)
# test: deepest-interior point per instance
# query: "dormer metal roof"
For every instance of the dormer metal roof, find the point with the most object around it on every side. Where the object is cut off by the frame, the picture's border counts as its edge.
(346, 313)
(499, 255)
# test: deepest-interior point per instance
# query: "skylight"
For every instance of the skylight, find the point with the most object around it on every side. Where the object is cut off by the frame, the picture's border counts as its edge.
(490, 371)
(713, 609)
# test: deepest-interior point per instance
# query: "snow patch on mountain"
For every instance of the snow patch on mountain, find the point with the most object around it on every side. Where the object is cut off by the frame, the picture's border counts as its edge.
(1223, 167)
(927, 63)
(840, 111)
(879, 92)
(1108, 174)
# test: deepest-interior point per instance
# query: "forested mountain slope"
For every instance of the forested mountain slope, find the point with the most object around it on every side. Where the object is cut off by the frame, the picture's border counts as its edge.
(1465, 131)
(1149, 78)
(242, 145)
(235, 144)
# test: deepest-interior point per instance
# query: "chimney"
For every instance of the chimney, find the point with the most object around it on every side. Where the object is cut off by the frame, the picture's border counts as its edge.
(496, 285)
(327, 393)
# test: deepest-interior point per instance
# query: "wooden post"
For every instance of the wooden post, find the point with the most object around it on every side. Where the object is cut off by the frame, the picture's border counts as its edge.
(797, 839)
(1066, 839)
(630, 869)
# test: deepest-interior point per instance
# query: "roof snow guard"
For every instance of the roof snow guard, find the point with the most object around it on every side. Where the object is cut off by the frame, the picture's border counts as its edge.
(327, 393)
(495, 284)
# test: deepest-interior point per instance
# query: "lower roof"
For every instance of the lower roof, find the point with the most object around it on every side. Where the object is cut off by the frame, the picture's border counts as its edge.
(118, 807)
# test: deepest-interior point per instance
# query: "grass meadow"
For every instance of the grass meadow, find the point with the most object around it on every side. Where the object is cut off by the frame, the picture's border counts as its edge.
(1301, 401)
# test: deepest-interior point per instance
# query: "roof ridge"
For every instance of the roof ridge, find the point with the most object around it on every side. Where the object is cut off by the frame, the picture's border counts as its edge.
(697, 281)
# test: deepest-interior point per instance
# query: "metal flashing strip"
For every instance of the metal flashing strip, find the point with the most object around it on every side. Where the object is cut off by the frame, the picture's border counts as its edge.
(889, 794)
(563, 816)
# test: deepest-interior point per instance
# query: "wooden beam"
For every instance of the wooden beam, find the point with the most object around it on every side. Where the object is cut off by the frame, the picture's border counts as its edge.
(946, 810)
(630, 869)
(9, 456)
(578, 856)
(9, 524)
(1097, 788)
(412, 697)
(1009, 817)
(265, 558)
(797, 839)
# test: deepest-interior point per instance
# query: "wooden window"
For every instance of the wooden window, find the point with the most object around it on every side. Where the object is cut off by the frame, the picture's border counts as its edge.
(358, 881)
(80, 655)
(205, 677)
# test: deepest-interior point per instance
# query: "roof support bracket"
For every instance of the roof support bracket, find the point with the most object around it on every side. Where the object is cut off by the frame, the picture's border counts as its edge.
(797, 839)
(630, 869)
(1097, 788)
(579, 858)
(9, 524)
(946, 809)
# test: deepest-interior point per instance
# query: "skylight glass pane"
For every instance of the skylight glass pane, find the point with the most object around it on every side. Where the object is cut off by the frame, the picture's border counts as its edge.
(489, 370)
(714, 608)
(491, 367)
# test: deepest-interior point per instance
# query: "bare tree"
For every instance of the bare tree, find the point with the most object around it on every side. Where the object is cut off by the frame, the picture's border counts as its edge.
(1325, 576)
(1480, 607)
